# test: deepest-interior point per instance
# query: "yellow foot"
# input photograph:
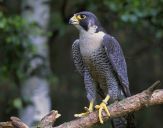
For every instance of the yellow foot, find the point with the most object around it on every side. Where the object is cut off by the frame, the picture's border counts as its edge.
(102, 106)
(88, 110)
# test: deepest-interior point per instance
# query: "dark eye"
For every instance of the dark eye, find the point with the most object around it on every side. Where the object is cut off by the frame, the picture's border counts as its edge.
(81, 17)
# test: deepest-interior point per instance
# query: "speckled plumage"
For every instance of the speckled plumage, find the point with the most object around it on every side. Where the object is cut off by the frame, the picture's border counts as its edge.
(95, 66)
(99, 59)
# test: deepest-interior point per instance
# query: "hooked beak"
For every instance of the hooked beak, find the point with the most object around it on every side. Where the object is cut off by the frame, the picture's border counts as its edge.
(73, 20)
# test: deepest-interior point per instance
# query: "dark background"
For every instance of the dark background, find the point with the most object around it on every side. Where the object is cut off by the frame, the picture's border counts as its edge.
(137, 25)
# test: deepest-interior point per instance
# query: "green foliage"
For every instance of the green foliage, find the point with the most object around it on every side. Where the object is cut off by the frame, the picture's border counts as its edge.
(13, 46)
(17, 103)
(135, 8)
(146, 12)
(142, 13)
(58, 23)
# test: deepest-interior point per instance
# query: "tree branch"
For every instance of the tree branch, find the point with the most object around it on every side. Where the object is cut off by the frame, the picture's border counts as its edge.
(121, 108)
(131, 104)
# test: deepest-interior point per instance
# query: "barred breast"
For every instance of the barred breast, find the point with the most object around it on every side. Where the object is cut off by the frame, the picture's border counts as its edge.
(96, 60)
(100, 68)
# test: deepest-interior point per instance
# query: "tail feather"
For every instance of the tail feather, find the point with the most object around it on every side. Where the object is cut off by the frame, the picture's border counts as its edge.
(130, 121)
(124, 122)
(119, 122)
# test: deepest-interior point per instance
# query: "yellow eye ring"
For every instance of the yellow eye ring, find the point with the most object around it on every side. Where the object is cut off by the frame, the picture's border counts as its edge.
(80, 17)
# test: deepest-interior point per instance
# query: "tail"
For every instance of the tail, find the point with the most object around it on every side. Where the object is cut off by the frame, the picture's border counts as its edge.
(124, 122)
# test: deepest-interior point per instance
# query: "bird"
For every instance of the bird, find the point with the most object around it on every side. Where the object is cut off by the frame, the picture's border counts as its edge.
(99, 59)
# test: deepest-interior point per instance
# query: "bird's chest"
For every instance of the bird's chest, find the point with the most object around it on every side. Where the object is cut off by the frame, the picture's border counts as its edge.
(91, 48)
(89, 44)
(94, 56)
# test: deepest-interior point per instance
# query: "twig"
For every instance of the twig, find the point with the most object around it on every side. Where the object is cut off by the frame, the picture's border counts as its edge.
(16, 122)
(49, 119)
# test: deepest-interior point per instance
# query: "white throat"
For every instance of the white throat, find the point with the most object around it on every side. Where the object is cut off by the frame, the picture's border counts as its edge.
(89, 33)
(90, 41)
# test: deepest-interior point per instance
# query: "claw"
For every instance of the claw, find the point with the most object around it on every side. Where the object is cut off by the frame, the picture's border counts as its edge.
(101, 107)
(81, 114)
(88, 110)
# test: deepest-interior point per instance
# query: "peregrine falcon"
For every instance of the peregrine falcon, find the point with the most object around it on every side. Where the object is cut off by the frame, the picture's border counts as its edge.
(99, 59)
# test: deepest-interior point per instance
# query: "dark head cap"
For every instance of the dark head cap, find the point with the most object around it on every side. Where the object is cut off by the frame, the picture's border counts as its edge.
(86, 19)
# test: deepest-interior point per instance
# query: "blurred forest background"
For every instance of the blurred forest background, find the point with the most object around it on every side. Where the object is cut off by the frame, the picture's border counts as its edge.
(136, 24)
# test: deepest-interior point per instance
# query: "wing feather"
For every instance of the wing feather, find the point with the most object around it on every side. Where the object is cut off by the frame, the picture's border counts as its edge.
(77, 57)
(116, 57)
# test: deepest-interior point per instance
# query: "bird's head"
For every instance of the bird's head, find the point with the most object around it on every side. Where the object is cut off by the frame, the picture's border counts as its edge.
(86, 21)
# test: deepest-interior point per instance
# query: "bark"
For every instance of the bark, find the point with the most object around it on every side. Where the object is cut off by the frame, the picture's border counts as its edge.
(131, 104)
(35, 88)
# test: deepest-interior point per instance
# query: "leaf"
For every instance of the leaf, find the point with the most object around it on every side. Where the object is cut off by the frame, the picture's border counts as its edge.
(17, 103)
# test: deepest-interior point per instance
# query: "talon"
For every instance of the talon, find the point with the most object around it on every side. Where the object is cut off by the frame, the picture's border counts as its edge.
(81, 114)
(88, 110)
(100, 115)
(101, 107)
(97, 106)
